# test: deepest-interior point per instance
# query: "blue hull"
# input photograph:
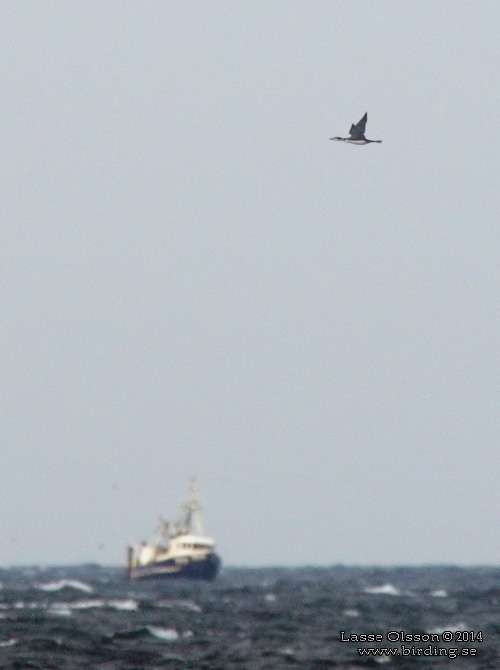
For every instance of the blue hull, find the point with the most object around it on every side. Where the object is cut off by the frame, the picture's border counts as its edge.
(206, 569)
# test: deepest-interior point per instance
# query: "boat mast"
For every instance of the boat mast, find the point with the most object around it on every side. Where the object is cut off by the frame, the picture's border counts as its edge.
(191, 515)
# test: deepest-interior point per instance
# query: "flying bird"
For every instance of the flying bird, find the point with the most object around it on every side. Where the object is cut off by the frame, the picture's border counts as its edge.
(357, 134)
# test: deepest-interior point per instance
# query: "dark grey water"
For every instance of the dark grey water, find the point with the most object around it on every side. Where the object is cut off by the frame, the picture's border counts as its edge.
(92, 617)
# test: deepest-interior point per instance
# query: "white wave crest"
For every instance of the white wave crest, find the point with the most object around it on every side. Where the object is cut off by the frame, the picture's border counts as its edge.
(8, 643)
(439, 593)
(80, 604)
(351, 613)
(60, 611)
(453, 627)
(386, 589)
(182, 604)
(65, 584)
(166, 634)
(128, 604)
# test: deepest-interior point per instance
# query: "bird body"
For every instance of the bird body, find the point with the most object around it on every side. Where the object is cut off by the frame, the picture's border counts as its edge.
(357, 134)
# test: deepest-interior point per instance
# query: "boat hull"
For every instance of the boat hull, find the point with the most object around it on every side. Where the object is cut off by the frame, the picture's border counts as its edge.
(206, 569)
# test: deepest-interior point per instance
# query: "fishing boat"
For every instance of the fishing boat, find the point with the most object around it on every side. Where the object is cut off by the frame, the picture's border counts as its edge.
(178, 550)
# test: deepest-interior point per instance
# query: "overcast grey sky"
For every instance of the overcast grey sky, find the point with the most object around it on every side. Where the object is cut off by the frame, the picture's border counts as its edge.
(195, 280)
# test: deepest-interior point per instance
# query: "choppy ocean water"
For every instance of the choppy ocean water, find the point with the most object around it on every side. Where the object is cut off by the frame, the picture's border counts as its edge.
(93, 617)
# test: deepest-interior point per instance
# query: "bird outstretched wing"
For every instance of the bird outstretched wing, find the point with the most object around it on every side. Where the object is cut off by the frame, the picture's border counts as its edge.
(357, 131)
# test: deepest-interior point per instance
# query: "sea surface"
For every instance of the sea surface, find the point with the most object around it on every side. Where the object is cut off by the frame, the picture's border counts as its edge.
(274, 618)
